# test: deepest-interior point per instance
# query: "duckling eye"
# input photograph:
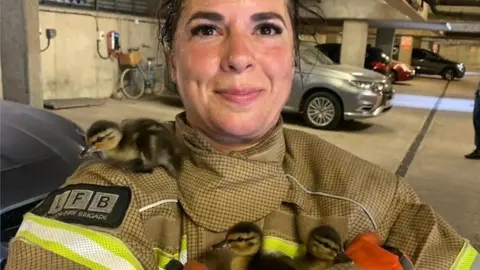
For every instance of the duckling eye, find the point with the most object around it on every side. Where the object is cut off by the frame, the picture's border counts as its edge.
(240, 239)
(99, 139)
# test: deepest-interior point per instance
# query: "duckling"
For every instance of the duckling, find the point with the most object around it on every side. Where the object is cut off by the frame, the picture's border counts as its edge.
(323, 249)
(245, 239)
(143, 142)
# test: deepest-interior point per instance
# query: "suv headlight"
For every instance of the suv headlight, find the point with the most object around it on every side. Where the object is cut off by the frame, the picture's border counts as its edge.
(371, 86)
(364, 85)
(461, 66)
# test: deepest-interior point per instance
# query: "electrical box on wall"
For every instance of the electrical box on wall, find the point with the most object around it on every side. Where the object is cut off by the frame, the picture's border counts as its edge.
(100, 35)
(51, 33)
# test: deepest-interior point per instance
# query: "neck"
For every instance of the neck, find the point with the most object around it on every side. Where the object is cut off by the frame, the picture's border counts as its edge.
(230, 147)
(228, 144)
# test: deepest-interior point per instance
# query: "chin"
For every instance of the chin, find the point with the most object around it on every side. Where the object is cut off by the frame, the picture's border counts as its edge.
(242, 125)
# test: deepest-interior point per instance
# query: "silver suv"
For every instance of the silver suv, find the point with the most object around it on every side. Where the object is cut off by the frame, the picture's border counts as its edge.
(327, 93)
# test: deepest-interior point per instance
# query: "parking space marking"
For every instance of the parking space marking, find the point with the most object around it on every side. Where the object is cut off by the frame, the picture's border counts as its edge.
(413, 149)
(428, 102)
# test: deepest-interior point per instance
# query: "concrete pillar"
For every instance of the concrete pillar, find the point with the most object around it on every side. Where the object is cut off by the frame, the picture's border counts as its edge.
(436, 48)
(430, 45)
(405, 50)
(1, 80)
(20, 52)
(385, 40)
(354, 43)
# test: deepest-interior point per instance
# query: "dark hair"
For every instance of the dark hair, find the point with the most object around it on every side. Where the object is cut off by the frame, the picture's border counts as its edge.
(171, 9)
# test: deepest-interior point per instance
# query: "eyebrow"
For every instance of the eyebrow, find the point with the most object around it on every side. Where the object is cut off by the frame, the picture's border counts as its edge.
(217, 17)
(265, 16)
(211, 16)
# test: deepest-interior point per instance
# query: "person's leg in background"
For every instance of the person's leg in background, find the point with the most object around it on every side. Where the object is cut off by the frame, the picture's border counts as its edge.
(476, 126)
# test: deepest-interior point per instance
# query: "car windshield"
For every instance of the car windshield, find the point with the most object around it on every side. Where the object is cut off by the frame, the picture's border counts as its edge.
(313, 56)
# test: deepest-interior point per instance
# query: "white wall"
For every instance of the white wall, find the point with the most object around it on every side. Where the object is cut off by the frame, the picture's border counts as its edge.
(467, 54)
(71, 66)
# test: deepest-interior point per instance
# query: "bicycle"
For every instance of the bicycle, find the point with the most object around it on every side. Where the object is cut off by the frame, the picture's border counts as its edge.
(139, 75)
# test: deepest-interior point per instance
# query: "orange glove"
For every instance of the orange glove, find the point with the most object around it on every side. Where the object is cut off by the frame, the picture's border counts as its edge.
(194, 265)
(366, 252)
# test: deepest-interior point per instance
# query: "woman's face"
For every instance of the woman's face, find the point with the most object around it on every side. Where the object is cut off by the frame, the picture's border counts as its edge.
(232, 61)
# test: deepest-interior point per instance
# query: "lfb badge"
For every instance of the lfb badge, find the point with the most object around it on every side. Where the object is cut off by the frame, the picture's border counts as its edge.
(86, 204)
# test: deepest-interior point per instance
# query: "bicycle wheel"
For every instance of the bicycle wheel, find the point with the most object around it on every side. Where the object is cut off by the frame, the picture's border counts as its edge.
(132, 83)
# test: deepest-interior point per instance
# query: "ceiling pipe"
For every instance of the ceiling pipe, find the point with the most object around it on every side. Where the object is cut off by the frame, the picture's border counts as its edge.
(433, 7)
(464, 3)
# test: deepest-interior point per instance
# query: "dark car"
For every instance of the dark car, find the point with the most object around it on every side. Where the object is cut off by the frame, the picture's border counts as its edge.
(428, 62)
(375, 58)
(39, 150)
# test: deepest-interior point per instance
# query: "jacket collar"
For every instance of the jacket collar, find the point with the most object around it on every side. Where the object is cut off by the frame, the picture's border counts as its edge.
(218, 190)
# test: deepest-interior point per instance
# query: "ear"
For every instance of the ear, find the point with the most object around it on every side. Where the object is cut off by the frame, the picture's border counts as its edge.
(172, 69)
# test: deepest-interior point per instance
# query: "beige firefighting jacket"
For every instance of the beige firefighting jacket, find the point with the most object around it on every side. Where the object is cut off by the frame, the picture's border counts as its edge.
(106, 217)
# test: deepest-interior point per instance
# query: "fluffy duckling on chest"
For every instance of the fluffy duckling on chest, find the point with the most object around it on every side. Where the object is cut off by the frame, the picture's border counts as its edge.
(143, 142)
(324, 248)
(245, 240)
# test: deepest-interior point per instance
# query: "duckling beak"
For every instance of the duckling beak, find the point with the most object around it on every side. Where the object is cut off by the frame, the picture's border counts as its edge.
(220, 245)
(86, 151)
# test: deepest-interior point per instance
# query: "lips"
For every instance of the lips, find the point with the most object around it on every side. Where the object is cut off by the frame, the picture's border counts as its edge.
(240, 96)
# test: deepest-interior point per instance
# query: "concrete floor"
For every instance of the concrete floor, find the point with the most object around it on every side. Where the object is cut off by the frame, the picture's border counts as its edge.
(438, 172)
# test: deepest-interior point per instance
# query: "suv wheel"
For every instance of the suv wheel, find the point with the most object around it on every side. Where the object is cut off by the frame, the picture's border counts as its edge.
(448, 74)
(322, 110)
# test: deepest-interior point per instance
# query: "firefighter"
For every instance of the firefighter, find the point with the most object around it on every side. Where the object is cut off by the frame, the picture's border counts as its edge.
(232, 62)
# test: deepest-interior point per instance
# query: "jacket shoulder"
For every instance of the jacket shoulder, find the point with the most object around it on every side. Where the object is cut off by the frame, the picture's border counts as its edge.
(147, 188)
(321, 166)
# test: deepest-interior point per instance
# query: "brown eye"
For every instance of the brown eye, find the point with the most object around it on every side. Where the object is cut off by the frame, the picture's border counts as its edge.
(269, 29)
(203, 30)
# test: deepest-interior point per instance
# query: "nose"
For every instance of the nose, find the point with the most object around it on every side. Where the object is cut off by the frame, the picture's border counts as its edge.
(238, 56)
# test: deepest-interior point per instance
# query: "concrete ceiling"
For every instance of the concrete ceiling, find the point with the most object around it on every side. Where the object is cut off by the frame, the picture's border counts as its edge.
(406, 9)
(351, 9)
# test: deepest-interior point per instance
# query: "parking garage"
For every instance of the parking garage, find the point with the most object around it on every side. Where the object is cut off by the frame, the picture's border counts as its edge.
(427, 51)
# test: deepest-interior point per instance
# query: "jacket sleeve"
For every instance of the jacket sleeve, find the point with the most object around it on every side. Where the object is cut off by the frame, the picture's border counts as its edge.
(91, 222)
(421, 233)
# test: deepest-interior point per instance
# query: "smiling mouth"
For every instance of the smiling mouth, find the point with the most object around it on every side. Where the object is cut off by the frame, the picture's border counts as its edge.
(239, 96)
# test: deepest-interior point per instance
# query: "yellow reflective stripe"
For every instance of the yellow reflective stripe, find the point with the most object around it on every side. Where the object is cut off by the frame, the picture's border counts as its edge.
(59, 249)
(467, 259)
(164, 257)
(183, 250)
(276, 244)
(271, 244)
(92, 249)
